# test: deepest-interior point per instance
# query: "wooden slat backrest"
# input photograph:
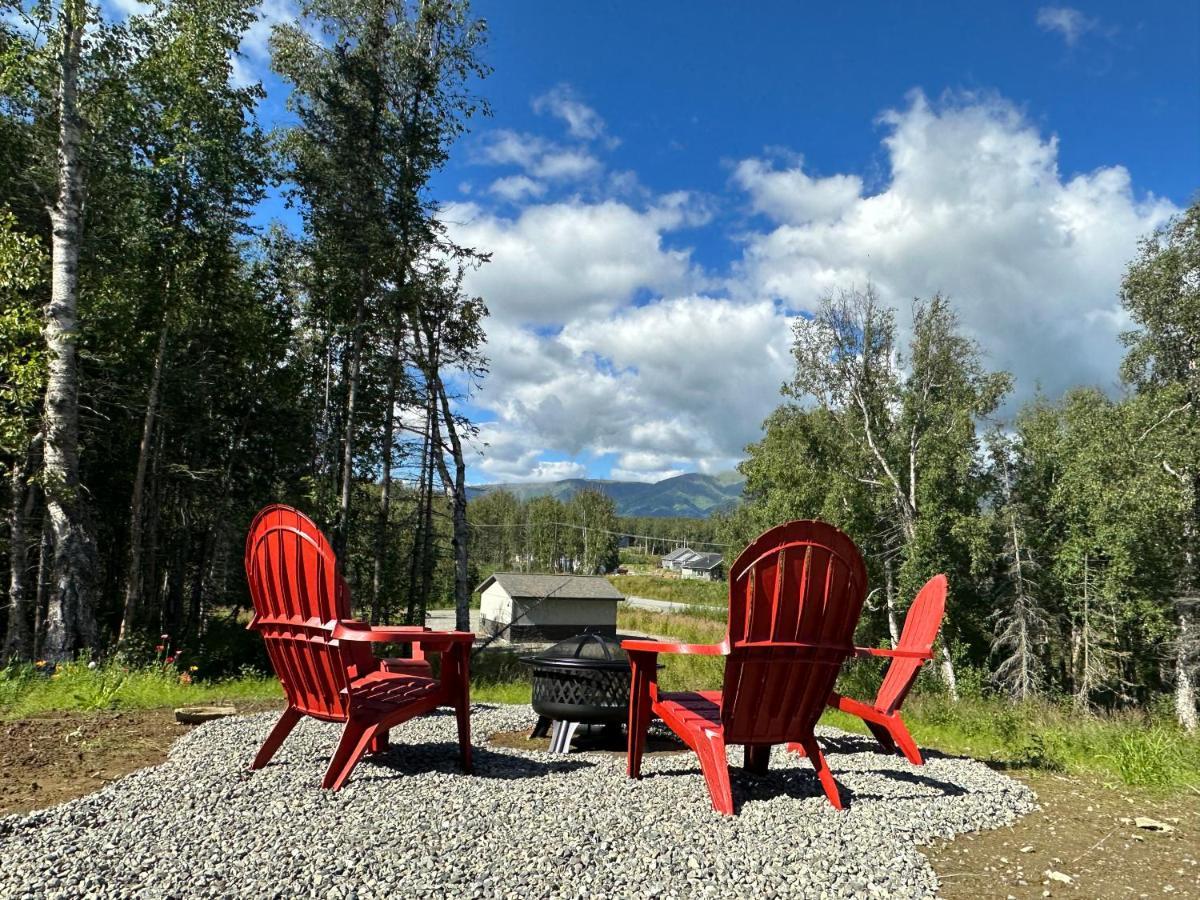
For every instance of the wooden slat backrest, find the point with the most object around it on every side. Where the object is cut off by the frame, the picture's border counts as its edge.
(299, 596)
(799, 584)
(921, 627)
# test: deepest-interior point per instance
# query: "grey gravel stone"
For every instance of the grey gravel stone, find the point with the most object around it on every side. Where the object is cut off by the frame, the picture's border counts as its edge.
(525, 825)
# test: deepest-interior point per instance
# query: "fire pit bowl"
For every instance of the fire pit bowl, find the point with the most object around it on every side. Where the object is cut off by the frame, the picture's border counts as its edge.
(582, 680)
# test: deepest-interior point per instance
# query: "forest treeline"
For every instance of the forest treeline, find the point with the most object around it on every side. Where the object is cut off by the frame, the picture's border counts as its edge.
(1069, 531)
(171, 364)
(583, 534)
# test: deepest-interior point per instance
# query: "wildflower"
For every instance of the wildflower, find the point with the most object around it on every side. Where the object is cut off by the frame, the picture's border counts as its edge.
(194, 669)
(159, 648)
(56, 675)
(41, 664)
(185, 678)
(164, 636)
(169, 660)
(92, 664)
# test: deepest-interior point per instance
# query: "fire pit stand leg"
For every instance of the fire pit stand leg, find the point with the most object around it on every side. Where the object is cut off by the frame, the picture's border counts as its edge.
(560, 739)
(542, 728)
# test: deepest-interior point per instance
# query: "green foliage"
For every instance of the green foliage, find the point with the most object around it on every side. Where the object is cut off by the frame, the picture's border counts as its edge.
(22, 356)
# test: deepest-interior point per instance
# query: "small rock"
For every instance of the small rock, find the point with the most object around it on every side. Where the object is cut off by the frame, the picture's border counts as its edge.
(194, 715)
(1055, 875)
(1152, 824)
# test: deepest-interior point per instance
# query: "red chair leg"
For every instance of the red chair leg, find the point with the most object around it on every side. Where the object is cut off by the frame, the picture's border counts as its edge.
(639, 715)
(899, 733)
(797, 748)
(882, 735)
(349, 751)
(278, 735)
(379, 743)
(757, 758)
(813, 751)
(714, 764)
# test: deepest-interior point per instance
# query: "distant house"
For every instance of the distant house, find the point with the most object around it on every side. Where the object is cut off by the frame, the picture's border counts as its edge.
(706, 566)
(672, 560)
(547, 607)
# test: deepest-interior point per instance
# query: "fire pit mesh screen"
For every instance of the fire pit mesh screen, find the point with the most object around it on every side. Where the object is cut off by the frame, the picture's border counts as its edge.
(587, 688)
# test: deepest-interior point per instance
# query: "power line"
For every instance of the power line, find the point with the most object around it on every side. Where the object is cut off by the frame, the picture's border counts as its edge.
(585, 528)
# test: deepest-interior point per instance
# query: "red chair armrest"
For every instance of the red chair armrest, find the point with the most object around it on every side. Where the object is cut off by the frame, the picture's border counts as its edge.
(638, 646)
(407, 634)
(864, 652)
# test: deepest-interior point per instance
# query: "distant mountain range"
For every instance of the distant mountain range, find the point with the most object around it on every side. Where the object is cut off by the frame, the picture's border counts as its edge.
(693, 495)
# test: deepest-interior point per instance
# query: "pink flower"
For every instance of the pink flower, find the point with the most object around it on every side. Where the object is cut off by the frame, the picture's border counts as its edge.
(170, 659)
(159, 648)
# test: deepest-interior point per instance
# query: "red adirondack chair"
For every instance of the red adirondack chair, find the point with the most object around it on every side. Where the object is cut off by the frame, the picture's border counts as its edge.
(795, 595)
(915, 648)
(323, 657)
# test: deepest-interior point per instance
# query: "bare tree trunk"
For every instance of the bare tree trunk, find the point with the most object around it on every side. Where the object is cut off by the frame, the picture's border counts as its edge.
(427, 546)
(18, 642)
(43, 587)
(70, 618)
(133, 585)
(461, 534)
(414, 561)
(385, 482)
(947, 666)
(342, 533)
(1185, 689)
(889, 588)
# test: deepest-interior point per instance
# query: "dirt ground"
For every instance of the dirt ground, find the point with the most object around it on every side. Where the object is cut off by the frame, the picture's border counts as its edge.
(49, 759)
(1084, 831)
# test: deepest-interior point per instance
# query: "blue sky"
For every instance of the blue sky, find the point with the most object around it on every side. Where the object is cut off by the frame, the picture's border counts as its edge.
(665, 186)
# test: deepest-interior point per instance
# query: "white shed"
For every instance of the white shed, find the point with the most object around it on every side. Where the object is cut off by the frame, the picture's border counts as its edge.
(547, 607)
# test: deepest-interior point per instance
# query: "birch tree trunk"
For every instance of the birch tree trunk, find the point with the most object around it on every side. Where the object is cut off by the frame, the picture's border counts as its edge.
(889, 588)
(1185, 688)
(70, 617)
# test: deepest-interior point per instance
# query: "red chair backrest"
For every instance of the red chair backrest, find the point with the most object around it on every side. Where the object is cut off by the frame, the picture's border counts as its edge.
(921, 627)
(299, 596)
(801, 582)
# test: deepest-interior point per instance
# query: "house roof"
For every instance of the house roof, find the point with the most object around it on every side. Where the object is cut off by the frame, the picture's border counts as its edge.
(703, 561)
(678, 554)
(567, 587)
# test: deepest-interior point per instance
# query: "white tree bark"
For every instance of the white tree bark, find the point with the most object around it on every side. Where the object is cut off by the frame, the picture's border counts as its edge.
(70, 617)
(1185, 687)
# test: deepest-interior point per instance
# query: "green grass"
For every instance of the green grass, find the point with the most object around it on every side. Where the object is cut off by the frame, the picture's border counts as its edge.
(1128, 748)
(677, 590)
(27, 690)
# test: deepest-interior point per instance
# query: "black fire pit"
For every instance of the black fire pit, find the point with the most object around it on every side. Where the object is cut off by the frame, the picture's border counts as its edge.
(582, 680)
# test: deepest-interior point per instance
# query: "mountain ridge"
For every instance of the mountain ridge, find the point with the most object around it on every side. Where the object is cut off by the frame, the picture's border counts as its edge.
(691, 495)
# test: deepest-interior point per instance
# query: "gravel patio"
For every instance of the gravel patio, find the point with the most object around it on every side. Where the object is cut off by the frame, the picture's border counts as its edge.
(525, 825)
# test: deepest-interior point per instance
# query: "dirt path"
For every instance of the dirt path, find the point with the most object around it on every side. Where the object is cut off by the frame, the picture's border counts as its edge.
(1084, 830)
(46, 760)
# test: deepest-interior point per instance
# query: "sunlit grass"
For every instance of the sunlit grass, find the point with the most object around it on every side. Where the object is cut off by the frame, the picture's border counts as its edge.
(676, 590)
(27, 690)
